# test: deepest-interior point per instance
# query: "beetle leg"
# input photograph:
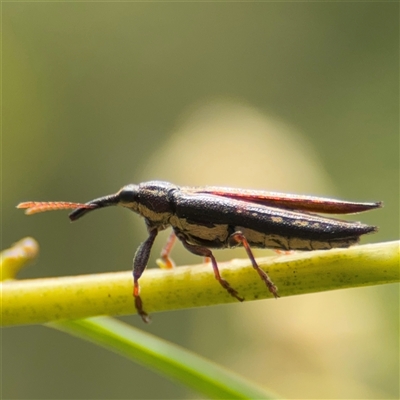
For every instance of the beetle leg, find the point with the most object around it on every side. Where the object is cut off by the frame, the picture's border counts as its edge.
(139, 265)
(166, 261)
(205, 252)
(240, 238)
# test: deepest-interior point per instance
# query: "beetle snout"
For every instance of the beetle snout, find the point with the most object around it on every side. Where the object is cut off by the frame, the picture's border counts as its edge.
(106, 201)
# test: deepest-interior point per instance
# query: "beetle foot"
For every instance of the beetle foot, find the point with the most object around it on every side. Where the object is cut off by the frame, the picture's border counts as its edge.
(234, 293)
(272, 288)
(139, 307)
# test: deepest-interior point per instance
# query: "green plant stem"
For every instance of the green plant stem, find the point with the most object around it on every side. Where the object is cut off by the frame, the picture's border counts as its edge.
(18, 256)
(168, 359)
(45, 300)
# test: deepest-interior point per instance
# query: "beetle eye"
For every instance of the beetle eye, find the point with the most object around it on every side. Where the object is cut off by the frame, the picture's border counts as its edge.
(128, 194)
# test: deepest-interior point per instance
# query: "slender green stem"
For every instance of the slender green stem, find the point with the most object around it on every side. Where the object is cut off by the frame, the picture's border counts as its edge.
(45, 300)
(168, 359)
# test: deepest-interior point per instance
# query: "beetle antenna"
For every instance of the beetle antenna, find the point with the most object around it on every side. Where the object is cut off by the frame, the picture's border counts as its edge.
(80, 209)
(34, 207)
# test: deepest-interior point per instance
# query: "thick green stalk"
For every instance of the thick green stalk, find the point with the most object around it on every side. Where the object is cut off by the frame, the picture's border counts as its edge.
(51, 299)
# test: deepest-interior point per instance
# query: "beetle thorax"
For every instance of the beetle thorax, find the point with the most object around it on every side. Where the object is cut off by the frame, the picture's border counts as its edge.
(154, 202)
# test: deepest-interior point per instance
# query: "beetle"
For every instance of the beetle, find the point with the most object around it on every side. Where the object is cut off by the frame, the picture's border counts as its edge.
(205, 218)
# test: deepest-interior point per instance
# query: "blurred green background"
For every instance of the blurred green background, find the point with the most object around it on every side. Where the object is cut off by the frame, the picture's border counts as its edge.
(296, 97)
